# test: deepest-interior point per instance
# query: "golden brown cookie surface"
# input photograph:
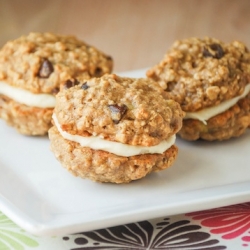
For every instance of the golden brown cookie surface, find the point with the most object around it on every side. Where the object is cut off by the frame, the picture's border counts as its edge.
(37, 65)
(40, 62)
(102, 166)
(125, 110)
(231, 123)
(27, 120)
(200, 73)
(122, 112)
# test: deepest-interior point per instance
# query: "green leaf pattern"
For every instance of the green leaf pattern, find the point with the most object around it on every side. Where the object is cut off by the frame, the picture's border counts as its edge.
(12, 237)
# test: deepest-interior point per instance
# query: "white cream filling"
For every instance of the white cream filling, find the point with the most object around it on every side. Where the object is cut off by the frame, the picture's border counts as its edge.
(116, 148)
(26, 97)
(205, 114)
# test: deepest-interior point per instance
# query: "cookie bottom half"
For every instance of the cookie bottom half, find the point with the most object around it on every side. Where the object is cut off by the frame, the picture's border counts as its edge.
(101, 166)
(27, 120)
(231, 123)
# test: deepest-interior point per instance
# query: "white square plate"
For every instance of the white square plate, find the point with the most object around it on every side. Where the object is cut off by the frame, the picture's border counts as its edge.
(44, 199)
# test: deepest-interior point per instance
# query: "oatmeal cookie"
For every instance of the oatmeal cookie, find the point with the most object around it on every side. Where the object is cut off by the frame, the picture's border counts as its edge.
(102, 166)
(128, 117)
(204, 73)
(27, 120)
(35, 66)
(230, 123)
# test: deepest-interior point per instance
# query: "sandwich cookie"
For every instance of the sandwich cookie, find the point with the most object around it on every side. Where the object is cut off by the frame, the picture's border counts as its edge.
(32, 68)
(115, 129)
(210, 80)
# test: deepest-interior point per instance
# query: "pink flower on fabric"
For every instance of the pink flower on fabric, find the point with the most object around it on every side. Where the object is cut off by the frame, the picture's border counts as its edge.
(231, 222)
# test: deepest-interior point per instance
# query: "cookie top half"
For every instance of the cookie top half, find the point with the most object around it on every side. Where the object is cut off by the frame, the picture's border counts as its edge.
(39, 62)
(200, 73)
(126, 110)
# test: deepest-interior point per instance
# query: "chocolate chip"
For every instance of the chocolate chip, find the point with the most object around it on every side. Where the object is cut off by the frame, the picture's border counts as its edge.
(154, 134)
(69, 84)
(55, 90)
(84, 86)
(98, 72)
(194, 65)
(117, 112)
(214, 50)
(170, 86)
(45, 69)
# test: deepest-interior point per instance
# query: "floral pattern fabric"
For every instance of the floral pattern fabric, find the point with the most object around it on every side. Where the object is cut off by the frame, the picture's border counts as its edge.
(214, 229)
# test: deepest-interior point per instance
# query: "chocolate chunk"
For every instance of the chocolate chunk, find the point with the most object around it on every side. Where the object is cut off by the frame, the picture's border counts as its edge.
(45, 69)
(117, 112)
(69, 84)
(98, 72)
(170, 86)
(84, 86)
(55, 90)
(214, 50)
